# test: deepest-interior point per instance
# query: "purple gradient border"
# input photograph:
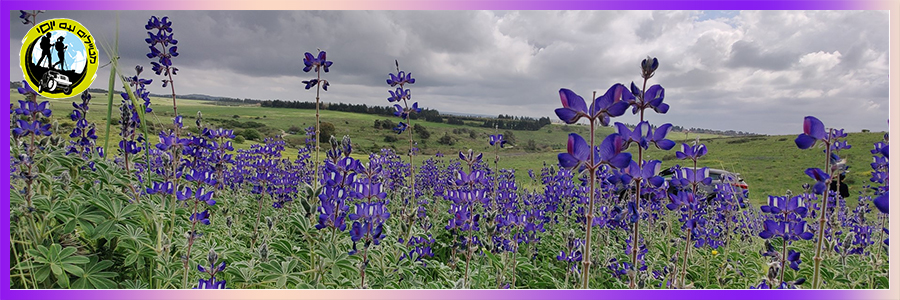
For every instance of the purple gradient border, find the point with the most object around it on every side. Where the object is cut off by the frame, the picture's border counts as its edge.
(6, 293)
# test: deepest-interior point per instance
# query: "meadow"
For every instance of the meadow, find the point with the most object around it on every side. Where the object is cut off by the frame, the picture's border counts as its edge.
(767, 162)
(193, 199)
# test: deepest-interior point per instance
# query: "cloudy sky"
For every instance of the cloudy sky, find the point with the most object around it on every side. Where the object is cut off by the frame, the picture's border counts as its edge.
(754, 71)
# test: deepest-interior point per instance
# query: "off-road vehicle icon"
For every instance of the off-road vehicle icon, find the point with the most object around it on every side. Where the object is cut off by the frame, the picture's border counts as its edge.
(54, 81)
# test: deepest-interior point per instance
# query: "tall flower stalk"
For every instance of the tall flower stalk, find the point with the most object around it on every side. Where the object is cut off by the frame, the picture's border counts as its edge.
(403, 95)
(320, 64)
(880, 171)
(813, 132)
(162, 46)
(643, 99)
(689, 203)
(30, 126)
(585, 156)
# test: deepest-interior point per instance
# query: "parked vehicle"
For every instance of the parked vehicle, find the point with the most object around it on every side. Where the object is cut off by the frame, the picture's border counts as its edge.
(718, 177)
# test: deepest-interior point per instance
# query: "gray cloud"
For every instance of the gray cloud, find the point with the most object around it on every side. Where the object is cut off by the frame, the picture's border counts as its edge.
(750, 55)
(755, 71)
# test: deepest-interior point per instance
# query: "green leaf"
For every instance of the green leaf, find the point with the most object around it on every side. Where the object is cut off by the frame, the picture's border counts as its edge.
(134, 285)
(56, 270)
(93, 277)
(113, 54)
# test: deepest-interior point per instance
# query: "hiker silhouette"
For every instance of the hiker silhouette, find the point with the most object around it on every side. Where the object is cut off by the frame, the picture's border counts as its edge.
(45, 50)
(61, 53)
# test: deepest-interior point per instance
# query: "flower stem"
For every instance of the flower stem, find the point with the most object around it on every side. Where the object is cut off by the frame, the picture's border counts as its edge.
(783, 258)
(637, 204)
(878, 250)
(468, 254)
(687, 242)
(592, 169)
(818, 258)
(187, 259)
(637, 209)
(172, 84)
(318, 87)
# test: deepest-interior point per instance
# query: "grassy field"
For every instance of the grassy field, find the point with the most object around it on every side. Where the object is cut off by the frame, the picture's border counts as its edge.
(769, 164)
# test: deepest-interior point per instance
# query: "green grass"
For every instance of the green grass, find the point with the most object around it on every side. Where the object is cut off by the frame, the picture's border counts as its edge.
(769, 164)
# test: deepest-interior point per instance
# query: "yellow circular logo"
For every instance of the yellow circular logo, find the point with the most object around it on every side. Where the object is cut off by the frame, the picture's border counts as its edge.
(59, 58)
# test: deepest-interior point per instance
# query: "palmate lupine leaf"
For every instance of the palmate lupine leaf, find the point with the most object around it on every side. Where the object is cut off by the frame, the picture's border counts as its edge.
(93, 276)
(56, 260)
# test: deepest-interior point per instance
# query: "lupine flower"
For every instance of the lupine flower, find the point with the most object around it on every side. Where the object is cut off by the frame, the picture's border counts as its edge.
(162, 188)
(789, 231)
(813, 131)
(83, 133)
(312, 82)
(27, 17)
(139, 87)
(24, 128)
(794, 258)
(498, 139)
(691, 152)
(421, 248)
(610, 152)
(164, 38)
(881, 202)
(648, 67)
(648, 172)
(368, 223)
(311, 62)
(783, 205)
(400, 128)
(399, 95)
(611, 104)
(656, 93)
(33, 108)
(213, 269)
(400, 79)
(658, 137)
(333, 210)
(202, 217)
(638, 136)
(820, 177)
(761, 286)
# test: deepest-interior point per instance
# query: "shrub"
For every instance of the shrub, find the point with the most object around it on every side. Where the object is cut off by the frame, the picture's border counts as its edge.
(509, 137)
(295, 141)
(446, 140)
(251, 134)
(421, 131)
(326, 130)
(455, 121)
(530, 145)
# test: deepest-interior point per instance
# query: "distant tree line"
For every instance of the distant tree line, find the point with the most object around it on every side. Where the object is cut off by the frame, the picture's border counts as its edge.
(506, 122)
(516, 123)
(430, 115)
